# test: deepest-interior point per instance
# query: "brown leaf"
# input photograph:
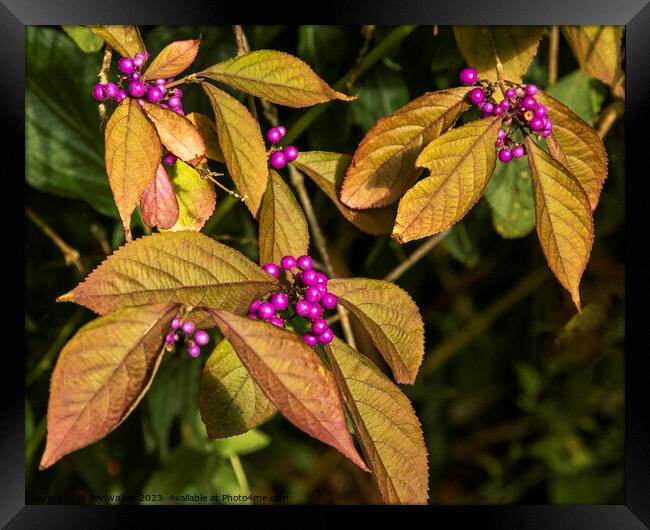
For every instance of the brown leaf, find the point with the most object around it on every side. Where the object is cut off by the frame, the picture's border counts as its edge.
(158, 205)
(173, 59)
(208, 131)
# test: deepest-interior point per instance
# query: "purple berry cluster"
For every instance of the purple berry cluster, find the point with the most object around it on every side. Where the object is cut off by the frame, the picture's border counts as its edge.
(520, 110)
(129, 83)
(193, 338)
(279, 158)
(305, 296)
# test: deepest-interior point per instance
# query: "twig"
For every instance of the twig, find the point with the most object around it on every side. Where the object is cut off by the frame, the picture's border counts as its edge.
(553, 49)
(235, 239)
(609, 116)
(421, 251)
(367, 32)
(71, 255)
(243, 48)
(103, 78)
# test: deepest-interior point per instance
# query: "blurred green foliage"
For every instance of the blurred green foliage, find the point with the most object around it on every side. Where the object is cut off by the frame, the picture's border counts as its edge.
(527, 407)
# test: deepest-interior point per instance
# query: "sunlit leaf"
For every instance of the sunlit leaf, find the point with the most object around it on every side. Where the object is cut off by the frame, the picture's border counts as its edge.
(577, 146)
(515, 45)
(158, 205)
(173, 59)
(125, 40)
(276, 76)
(85, 38)
(196, 197)
(133, 153)
(293, 377)
(230, 400)
(177, 133)
(327, 171)
(390, 317)
(208, 131)
(564, 223)
(386, 424)
(460, 163)
(101, 375)
(242, 146)
(283, 227)
(174, 267)
(383, 166)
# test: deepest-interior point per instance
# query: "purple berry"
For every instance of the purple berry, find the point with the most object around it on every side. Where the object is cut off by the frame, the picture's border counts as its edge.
(154, 94)
(280, 301)
(505, 155)
(536, 124)
(174, 102)
(302, 308)
(501, 134)
(176, 323)
(468, 76)
(169, 159)
(290, 153)
(518, 151)
(476, 96)
(318, 326)
(98, 92)
(549, 125)
(273, 135)
(485, 115)
(278, 160)
(499, 143)
(160, 82)
(288, 263)
(178, 93)
(321, 279)
(504, 104)
(272, 269)
(310, 277)
(315, 310)
(194, 351)
(326, 337)
(305, 263)
(312, 294)
(531, 90)
(488, 107)
(170, 338)
(201, 337)
(137, 89)
(321, 288)
(497, 111)
(252, 315)
(266, 311)
(111, 90)
(310, 339)
(540, 110)
(546, 133)
(254, 305)
(529, 103)
(147, 56)
(120, 96)
(138, 59)
(126, 66)
(328, 301)
(281, 130)
(134, 76)
(510, 93)
(277, 322)
(188, 327)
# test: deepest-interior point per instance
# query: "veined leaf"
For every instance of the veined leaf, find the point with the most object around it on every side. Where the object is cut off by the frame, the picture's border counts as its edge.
(276, 76)
(196, 197)
(564, 223)
(230, 400)
(461, 163)
(84, 38)
(133, 153)
(389, 431)
(101, 375)
(283, 227)
(293, 377)
(597, 49)
(515, 45)
(173, 59)
(383, 166)
(158, 205)
(174, 267)
(576, 146)
(177, 133)
(390, 317)
(125, 40)
(242, 146)
(208, 131)
(327, 171)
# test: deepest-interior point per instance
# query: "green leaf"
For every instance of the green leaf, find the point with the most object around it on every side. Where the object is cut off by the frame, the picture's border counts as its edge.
(63, 143)
(84, 38)
(460, 163)
(133, 153)
(327, 171)
(383, 166)
(390, 317)
(563, 217)
(515, 45)
(230, 400)
(196, 197)
(208, 131)
(158, 205)
(577, 147)
(242, 146)
(293, 377)
(276, 76)
(174, 267)
(125, 40)
(177, 133)
(283, 227)
(386, 424)
(462, 246)
(173, 59)
(579, 92)
(243, 444)
(510, 196)
(101, 375)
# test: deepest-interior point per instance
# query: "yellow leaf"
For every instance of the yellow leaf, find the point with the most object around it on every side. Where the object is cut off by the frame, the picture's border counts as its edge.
(460, 163)
(196, 197)
(125, 40)
(386, 424)
(564, 224)
(276, 76)
(173, 59)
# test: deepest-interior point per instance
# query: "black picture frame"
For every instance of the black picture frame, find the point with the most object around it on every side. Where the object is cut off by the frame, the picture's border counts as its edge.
(15, 15)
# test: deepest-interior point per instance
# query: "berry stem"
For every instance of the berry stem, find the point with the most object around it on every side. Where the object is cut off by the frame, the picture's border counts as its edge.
(206, 173)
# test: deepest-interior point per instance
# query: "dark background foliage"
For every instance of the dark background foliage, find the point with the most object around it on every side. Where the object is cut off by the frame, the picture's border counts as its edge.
(520, 398)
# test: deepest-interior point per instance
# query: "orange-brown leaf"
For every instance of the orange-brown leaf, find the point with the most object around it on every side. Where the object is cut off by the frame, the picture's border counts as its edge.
(158, 205)
(208, 131)
(173, 59)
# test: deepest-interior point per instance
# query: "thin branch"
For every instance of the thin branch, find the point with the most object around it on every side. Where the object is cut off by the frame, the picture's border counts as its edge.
(71, 255)
(422, 251)
(553, 50)
(103, 79)
(367, 32)
(243, 48)
(609, 115)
